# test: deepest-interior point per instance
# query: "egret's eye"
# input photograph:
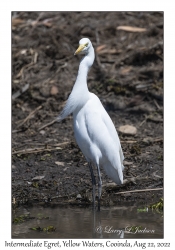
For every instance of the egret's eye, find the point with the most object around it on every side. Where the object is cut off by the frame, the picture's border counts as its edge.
(86, 45)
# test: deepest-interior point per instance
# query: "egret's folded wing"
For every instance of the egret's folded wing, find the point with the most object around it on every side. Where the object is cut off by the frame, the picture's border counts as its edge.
(105, 146)
(112, 131)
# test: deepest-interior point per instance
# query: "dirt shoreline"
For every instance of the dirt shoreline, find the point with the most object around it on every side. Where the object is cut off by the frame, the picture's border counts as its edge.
(127, 76)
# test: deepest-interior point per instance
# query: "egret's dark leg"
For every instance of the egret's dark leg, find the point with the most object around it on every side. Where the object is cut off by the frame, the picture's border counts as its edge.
(93, 183)
(99, 186)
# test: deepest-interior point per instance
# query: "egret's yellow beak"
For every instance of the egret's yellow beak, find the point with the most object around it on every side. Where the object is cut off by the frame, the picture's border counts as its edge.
(80, 48)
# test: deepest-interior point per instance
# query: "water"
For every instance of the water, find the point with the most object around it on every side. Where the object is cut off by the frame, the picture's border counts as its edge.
(73, 222)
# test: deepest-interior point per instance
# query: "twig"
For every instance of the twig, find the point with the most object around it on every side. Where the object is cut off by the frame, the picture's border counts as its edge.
(143, 86)
(157, 105)
(131, 29)
(33, 151)
(143, 121)
(19, 92)
(152, 140)
(28, 66)
(48, 124)
(29, 116)
(158, 139)
(59, 144)
(128, 141)
(38, 150)
(140, 190)
(16, 131)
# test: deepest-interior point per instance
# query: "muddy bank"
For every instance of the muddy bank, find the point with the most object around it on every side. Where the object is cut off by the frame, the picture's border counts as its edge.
(127, 76)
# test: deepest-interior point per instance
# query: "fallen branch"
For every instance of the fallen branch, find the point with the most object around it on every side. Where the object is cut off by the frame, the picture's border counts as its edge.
(33, 151)
(114, 186)
(131, 29)
(128, 141)
(151, 139)
(157, 139)
(29, 116)
(38, 150)
(140, 190)
(48, 124)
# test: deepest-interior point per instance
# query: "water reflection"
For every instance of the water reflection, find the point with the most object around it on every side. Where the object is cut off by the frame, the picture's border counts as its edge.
(73, 222)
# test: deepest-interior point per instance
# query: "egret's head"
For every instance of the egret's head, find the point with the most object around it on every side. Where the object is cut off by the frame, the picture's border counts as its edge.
(84, 45)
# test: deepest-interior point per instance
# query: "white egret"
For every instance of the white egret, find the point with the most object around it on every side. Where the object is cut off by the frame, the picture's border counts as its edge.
(94, 130)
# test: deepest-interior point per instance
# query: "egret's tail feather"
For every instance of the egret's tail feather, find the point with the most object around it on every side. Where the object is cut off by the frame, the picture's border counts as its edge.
(115, 174)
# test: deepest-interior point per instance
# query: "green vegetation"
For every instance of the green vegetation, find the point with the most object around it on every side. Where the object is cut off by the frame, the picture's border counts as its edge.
(44, 229)
(142, 210)
(158, 206)
(22, 218)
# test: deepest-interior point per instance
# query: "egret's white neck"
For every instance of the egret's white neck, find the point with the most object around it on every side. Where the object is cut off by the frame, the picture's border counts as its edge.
(85, 64)
(80, 93)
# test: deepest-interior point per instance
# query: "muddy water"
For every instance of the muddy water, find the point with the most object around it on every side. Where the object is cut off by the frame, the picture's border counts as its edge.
(114, 222)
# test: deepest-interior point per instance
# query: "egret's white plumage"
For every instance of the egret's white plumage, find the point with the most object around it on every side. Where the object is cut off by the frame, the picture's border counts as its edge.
(93, 128)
